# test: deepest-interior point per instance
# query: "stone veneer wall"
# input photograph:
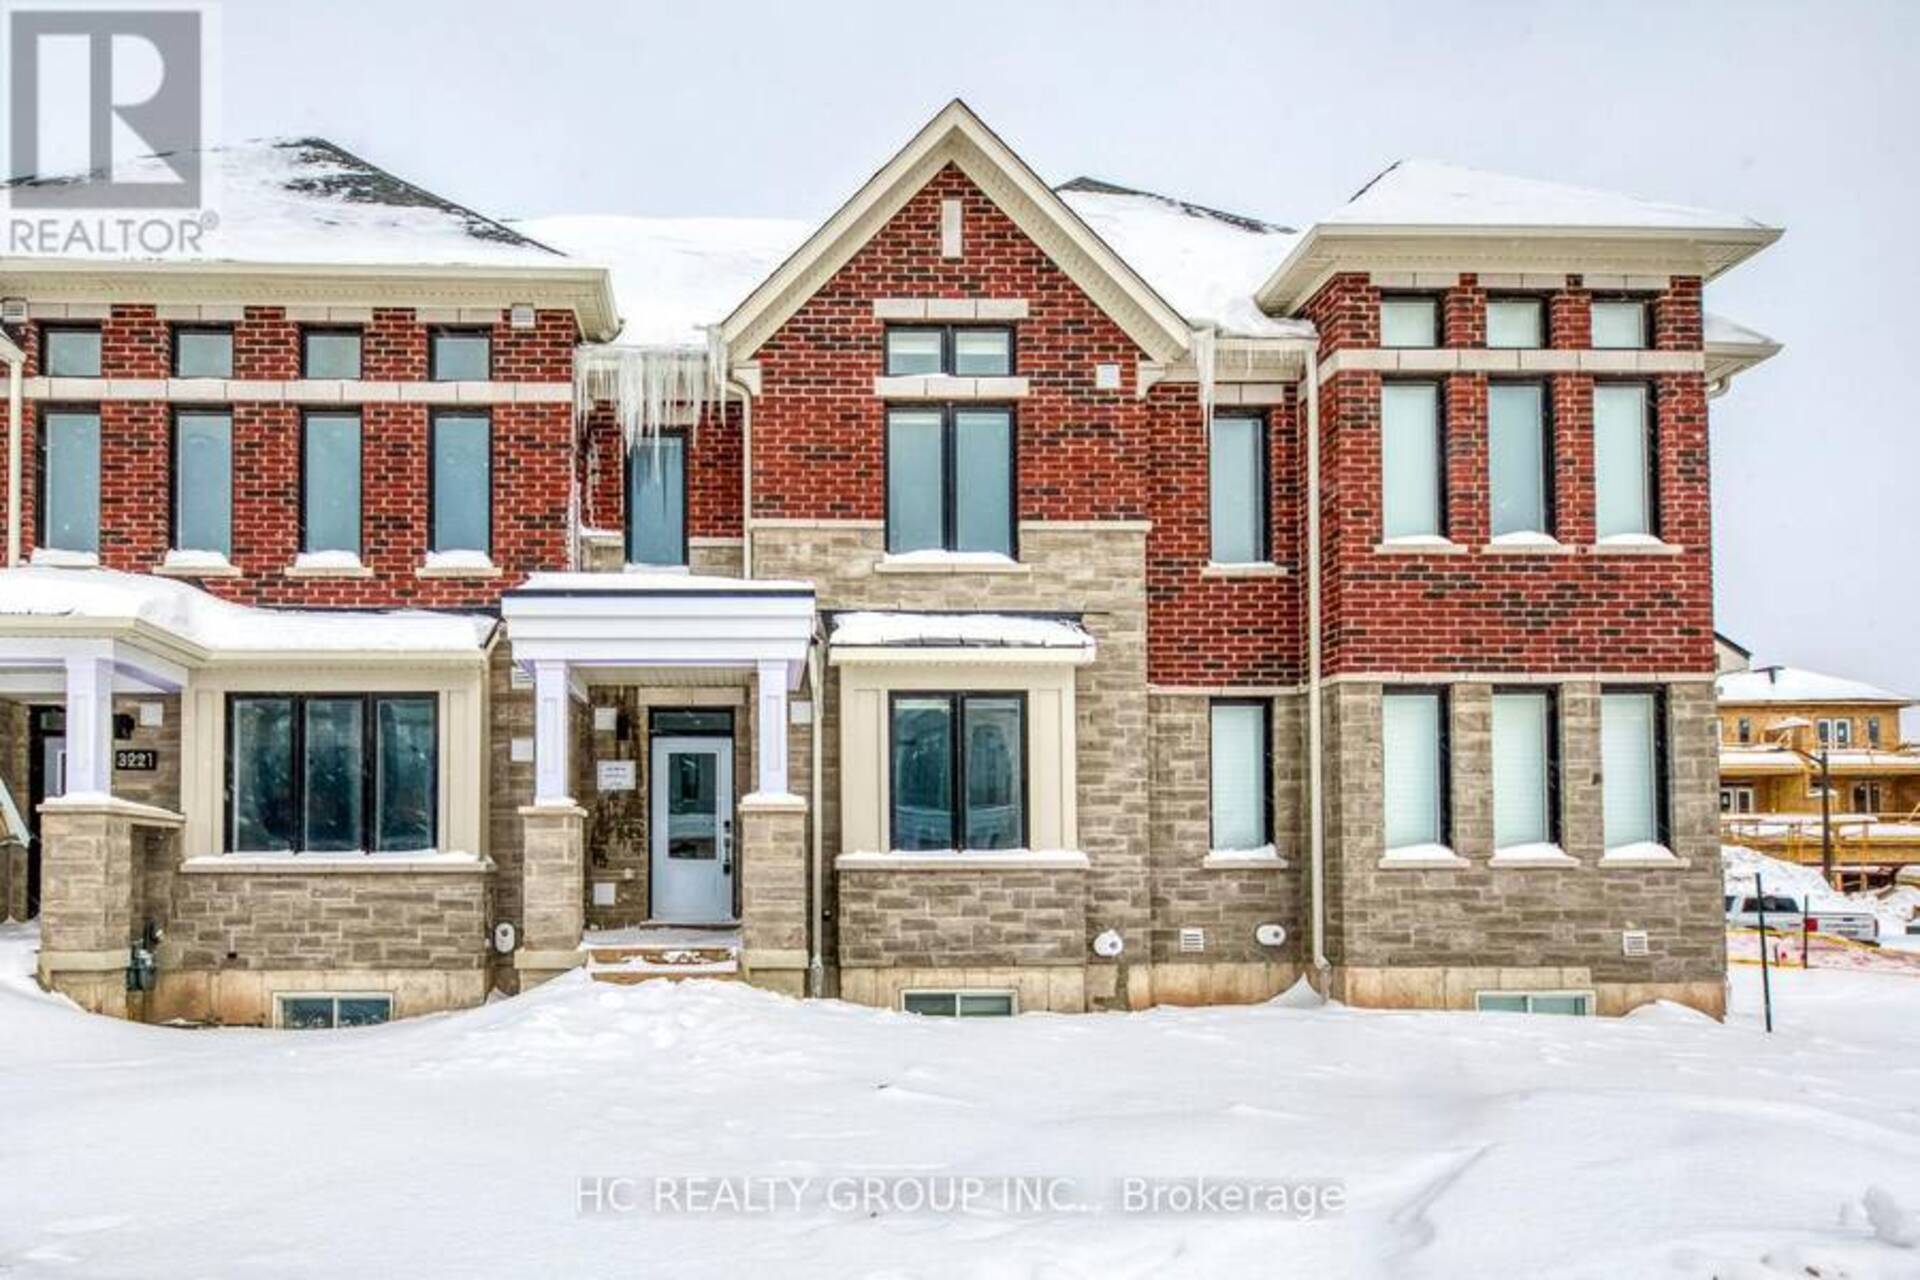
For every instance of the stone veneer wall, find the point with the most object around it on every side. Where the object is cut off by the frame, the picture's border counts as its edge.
(1432, 936)
(14, 739)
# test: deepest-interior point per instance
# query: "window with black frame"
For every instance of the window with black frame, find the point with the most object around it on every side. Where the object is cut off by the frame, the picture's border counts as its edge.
(950, 479)
(971, 351)
(1237, 489)
(657, 501)
(332, 773)
(958, 771)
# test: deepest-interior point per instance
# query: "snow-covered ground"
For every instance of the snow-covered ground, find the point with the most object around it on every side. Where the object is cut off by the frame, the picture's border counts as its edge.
(1503, 1145)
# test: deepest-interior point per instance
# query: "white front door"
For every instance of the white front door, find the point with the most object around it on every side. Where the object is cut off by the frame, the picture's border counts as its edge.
(691, 820)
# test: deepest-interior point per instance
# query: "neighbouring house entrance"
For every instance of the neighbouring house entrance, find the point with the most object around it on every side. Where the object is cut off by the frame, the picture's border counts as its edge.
(47, 778)
(691, 825)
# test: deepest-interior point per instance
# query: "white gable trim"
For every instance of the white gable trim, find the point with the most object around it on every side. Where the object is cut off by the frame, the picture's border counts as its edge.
(957, 136)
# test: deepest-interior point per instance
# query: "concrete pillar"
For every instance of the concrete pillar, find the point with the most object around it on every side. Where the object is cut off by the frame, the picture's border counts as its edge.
(89, 726)
(772, 744)
(773, 890)
(92, 867)
(552, 734)
(553, 889)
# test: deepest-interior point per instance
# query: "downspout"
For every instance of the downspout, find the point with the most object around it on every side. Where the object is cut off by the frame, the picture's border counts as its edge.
(816, 966)
(16, 432)
(1316, 814)
(746, 478)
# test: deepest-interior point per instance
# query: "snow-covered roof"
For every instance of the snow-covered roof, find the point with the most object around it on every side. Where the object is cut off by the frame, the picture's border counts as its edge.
(107, 597)
(1206, 263)
(308, 201)
(867, 629)
(1718, 330)
(641, 582)
(672, 276)
(1793, 684)
(1433, 193)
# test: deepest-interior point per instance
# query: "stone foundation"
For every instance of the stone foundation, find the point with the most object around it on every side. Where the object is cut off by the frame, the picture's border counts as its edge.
(1439, 987)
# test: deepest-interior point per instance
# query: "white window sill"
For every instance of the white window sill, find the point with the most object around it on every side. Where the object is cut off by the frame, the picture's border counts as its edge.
(457, 564)
(1421, 857)
(196, 564)
(1526, 544)
(327, 564)
(947, 387)
(631, 567)
(949, 562)
(300, 864)
(964, 860)
(1641, 855)
(1253, 569)
(1533, 855)
(1420, 544)
(55, 557)
(1635, 544)
(1265, 858)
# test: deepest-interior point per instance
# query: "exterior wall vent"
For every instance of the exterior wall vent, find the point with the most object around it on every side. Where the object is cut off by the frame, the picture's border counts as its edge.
(1192, 940)
(1634, 943)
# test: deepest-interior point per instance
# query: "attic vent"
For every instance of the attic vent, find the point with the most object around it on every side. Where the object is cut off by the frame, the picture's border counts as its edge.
(13, 310)
(1192, 940)
(1634, 943)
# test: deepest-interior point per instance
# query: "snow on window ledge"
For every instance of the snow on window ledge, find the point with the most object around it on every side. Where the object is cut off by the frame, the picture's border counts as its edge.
(964, 860)
(1533, 855)
(1265, 858)
(1420, 544)
(1527, 542)
(1642, 854)
(635, 567)
(1635, 544)
(1421, 856)
(1248, 569)
(937, 561)
(196, 564)
(458, 564)
(428, 861)
(328, 564)
(60, 558)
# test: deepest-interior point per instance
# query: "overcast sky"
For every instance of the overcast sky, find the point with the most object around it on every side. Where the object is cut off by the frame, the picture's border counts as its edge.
(1801, 115)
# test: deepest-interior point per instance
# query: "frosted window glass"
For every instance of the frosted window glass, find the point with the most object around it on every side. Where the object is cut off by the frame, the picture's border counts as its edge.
(1517, 457)
(1514, 322)
(1629, 791)
(1237, 477)
(1410, 458)
(913, 351)
(1622, 501)
(72, 521)
(1408, 322)
(915, 507)
(1520, 782)
(1410, 739)
(203, 482)
(333, 482)
(462, 483)
(1619, 325)
(983, 480)
(657, 501)
(984, 353)
(203, 353)
(1239, 775)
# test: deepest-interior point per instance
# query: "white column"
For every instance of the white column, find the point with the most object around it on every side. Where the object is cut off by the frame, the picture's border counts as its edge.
(773, 729)
(552, 733)
(89, 726)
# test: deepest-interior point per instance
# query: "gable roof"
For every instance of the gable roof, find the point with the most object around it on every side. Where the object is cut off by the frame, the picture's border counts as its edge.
(1793, 684)
(957, 136)
(1433, 193)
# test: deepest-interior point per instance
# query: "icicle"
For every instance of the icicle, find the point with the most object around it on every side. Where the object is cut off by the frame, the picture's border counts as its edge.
(650, 388)
(1204, 346)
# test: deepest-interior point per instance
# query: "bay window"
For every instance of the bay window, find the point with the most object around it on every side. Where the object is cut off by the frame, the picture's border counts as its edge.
(958, 771)
(462, 471)
(1622, 459)
(203, 481)
(1239, 769)
(1237, 489)
(950, 480)
(1413, 734)
(657, 501)
(1409, 322)
(330, 482)
(1412, 479)
(1632, 768)
(70, 480)
(1525, 768)
(1519, 459)
(331, 773)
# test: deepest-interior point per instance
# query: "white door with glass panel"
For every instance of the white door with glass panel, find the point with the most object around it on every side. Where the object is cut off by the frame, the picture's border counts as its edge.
(692, 830)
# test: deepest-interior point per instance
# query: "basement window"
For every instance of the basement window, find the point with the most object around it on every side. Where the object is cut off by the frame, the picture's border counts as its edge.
(318, 1012)
(959, 1004)
(1571, 1004)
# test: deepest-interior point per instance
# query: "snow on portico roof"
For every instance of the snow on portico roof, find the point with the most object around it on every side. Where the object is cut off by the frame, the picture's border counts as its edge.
(1432, 193)
(873, 629)
(1792, 684)
(96, 597)
(308, 201)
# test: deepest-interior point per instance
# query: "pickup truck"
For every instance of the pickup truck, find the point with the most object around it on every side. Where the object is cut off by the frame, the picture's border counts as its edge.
(1784, 915)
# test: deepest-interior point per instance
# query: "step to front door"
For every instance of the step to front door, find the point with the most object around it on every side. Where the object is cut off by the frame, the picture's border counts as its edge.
(630, 956)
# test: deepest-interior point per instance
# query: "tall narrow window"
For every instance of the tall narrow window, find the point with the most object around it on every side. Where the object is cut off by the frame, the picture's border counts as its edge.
(1515, 322)
(1414, 753)
(332, 773)
(1411, 477)
(1622, 460)
(1237, 489)
(330, 353)
(1631, 789)
(330, 483)
(1518, 459)
(203, 482)
(462, 482)
(1873, 731)
(460, 355)
(958, 771)
(403, 782)
(950, 480)
(1620, 324)
(1743, 730)
(70, 351)
(1523, 768)
(260, 776)
(1409, 322)
(70, 481)
(657, 501)
(1239, 769)
(203, 353)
